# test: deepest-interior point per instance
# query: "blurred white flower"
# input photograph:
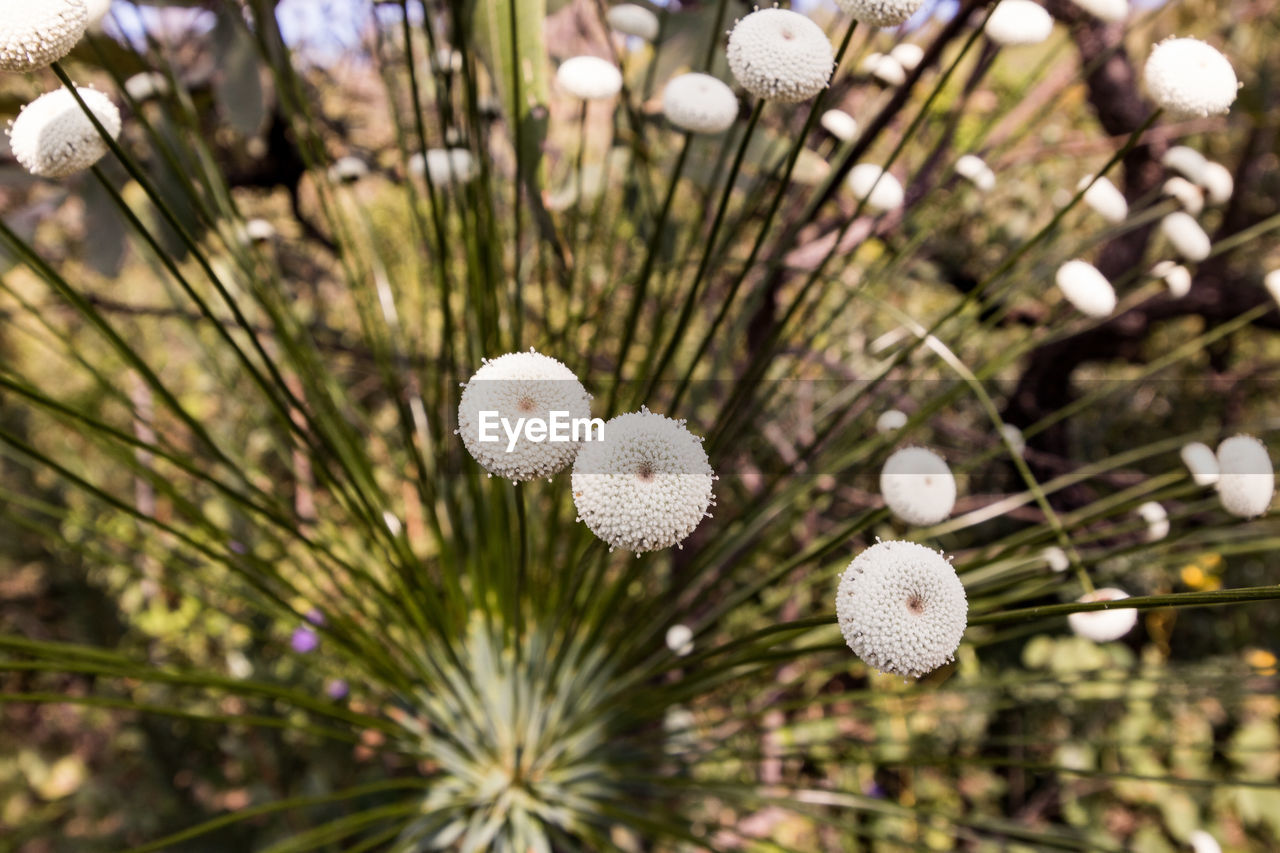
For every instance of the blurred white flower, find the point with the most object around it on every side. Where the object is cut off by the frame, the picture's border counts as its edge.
(839, 124)
(1203, 842)
(348, 170)
(1185, 193)
(446, 60)
(975, 170)
(35, 33)
(1086, 288)
(680, 639)
(1188, 78)
(1185, 235)
(891, 420)
(917, 486)
(259, 231)
(1157, 519)
(780, 55)
(1201, 462)
(1176, 277)
(146, 85)
(1013, 437)
(880, 13)
(1056, 558)
(907, 55)
(1106, 10)
(1187, 161)
(1246, 482)
(1271, 281)
(699, 103)
(52, 137)
(445, 166)
(879, 188)
(589, 78)
(633, 20)
(888, 71)
(1016, 22)
(97, 10)
(1217, 182)
(1103, 198)
(1103, 626)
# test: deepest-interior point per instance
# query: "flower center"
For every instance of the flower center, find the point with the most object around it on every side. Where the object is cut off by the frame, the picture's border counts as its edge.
(915, 603)
(645, 471)
(526, 404)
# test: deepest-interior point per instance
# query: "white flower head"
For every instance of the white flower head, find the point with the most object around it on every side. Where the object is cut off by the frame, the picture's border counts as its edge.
(1246, 482)
(878, 188)
(52, 137)
(646, 486)
(633, 20)
(1103, 626)
(1056, 558)
(890, 421)
(1203, 842)
(973, 169)
(699, 103)
(1106, 10)
(1086, 288)
(1201, 462)
(35, 33)
(886, 70)
(780, 55)
(589, 78)
(445, 166)
(1103, 198)
(839, 124)
(348, 170)
(1157, 519)
(880, 13)
(1185, 235)
(146, 86)
(515, 386)
(907, 55)
(1271, 281)
(97, 10)
(1176, 277)
(1190, 79)
(1186, 161)
(1217, 182)
(901, 608)
(917, 486)
(1013, 436)
(1189, 196)
(680, 639)
(259, 231)
(1016, 22)
(446, 60)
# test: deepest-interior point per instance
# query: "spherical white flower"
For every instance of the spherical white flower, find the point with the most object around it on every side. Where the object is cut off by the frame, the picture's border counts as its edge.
(917, 486)
(97, 10)
(1188, 78)
(890, 421)
(901, 608)
(1201, 462)
(259, 231)
(52, 137)
(1103, 626)
(1203, 842)
(1106, 10)
(699, 103)
(887, 71)
(646, 486)
(1271, 281)
(1103, 198)
(880, 13)
(1056, 558)
(348, 170)
(680, 639)
(780, 55)
(1187, 161)
(879, 188)
(589, 78)
(445, 166)
(907, 55)
(1011, 435)
(514, 386)
(1247, 482)
(1175, 276)
(146, 85)
(1185, 193)
(35, 33)
(1086, 288)
(973, 169)
(1157, 519)
(840, 124)
(632, 20)
(1185, 235)
(1217, 182)
(1015, 22)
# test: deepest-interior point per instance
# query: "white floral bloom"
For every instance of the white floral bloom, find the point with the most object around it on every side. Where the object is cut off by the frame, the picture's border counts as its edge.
(1157, 519)
(680, 639)
(890, 421)
(259, 231)
(97, 10)
(917, 486)
(1176, 277)
(699, 103)
(1247, 482)
(589, 78)
(1106, 10)
(52, 137)
(445, 166)
(973, 169)
(880, 13)
(1202, 462)
(887, 71)
(35, 33)
(1185, 235)
(1271, 281)
(869, 63)
(1086, 289)
(515, 386)
(1103, 626)
(146, 85)
(1103, 198)
(1203, 842)
(1188, 162)
(780, 55)
(1056, 558)
(632, 20)
(1011, 435)
(879, 188)
(1016, 22)
(1185, 193)
(646, 486)
(1188, 78)
(901, 608)
(1217, 182)
(907, 55)
(839, 124)
(348, 170)
(446, 60)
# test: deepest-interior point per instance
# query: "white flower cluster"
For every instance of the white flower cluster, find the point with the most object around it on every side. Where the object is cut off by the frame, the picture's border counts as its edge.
(884, 69)
(1157, 519)
(634, 20)
(699, 103)
(589, 78)
(445, 166)
(52, 137)
(1086, 288)
(1213, 178)
(839, 124)
(1190, 79)
(1103, 626)
(680, 639)
(348, 170)
(36, 33)
(1175, 277)
(880, 13)
(902, 608)
(1246, 480)
(917, 486)
(780, 55)
(1188, 196)
(878, 188)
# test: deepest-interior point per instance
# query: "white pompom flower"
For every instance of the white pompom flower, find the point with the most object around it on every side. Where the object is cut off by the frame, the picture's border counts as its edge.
(918, 486)
(907, 55)
(512, 387)
(680, 639)
(1203, 842)
(633, 20)
(1103, 626)
(1056, 558)
(890, 421)
(1086, 288)
(1201, 461)
(445, 166)
(1271, 281)
(1013, 437)
(348, 170)
(973, 169)
(53, 138)
(1103, 198)
(259, 231)
(146, 85)
(1246, 480)
(1188, 196)
(1176, 277)
(97, 11)
(886, 70)
(902, 608)
(1185, 235)
(1018, 22)
(646, 486)
(1105, 10)
(1186, 161)
(699, 103)
(780, 55)
(880, 13)
(36, 33)
(839, 124)
(1217, 182)
(1190, 79)
(1157, 519)
(878, 188)
(589, 78)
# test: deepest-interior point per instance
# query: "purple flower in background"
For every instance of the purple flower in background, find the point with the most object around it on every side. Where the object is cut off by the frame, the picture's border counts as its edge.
(315, 617)
(304, 640)
(335, 688)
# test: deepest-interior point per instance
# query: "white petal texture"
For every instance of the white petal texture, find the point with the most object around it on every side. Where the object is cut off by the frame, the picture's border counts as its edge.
(589, 78)
(699, 103)
(1246, 482)
(1190, 79)
(52, 137)
(901, 608)
(780, 55)
(1103, 626)
(1016, 22)
(1086, 289)
(1185, 235)
(917, 486)
(633, 20)
(646, 486)
(35, 33)
(1201, 461)
(839, 124)
(880, 13)
(879, 188)
(1103, 198)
